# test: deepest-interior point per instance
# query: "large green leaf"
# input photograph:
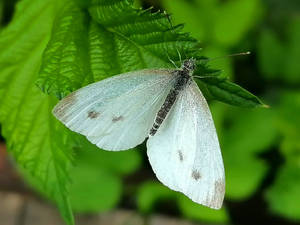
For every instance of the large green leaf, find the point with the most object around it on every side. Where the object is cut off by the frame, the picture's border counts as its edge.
(124, 39)
(120, 39)
(66, 54)
(39, 144)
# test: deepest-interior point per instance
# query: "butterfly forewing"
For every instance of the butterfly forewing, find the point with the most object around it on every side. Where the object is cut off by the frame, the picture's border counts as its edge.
(185, 153)
(116, 113)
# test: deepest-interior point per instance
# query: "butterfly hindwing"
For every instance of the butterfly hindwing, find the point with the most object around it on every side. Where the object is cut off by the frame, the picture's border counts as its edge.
(185, 153)
(116, 113)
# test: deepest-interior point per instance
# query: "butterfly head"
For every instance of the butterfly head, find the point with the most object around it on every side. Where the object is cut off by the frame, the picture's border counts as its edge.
(189, 65)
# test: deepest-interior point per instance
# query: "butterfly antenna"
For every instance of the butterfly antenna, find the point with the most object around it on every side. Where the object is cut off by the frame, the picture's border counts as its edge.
(179, 56)
(203, 77)
(221, 57)
(171, 60)
(172, 28)
(232, 55)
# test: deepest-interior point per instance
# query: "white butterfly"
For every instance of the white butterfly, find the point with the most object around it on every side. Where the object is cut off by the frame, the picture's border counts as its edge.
(165, 105)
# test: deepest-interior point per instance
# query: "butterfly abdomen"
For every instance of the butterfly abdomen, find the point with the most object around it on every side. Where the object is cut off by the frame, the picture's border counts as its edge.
(181, 82)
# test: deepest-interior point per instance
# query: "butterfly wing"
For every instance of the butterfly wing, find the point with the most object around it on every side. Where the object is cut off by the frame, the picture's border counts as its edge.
(116, 113)
(185, 153)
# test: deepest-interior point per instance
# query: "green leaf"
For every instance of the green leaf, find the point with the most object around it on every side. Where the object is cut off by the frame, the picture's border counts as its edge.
(270, 55)
(194, 211)
(94, 187)
(122, 39)
(289, 126)
(150, 193)
(66, 62)
(94, 190)
(97, 184)
(247, 134)
(223, 90)
(198, 16)
(1, 12)
(38, 143)
(278, 59)
(216, 22)
(292, 67)
(234, 19)
(122, 163)
(284, 196)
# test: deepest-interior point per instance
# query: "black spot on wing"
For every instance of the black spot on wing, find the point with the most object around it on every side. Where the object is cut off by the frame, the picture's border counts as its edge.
(180, 155)
(117, 118)
(196, 175)
(93, 114)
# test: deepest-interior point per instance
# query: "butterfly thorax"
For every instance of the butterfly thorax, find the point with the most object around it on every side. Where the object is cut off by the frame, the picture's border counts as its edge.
(183, 78)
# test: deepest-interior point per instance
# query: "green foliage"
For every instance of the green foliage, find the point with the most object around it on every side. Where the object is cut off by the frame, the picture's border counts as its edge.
(215, 21)
(241, 151)
(39, 143)
(271, 54)
(93, 190)
(212, 23)
(151, 193)
(228, 92)
(228, 30)
(1, 12)
(64, 45)
(126, 39)
(66, 60)
(279, 60)
(96, 179)
(119, 39)
(284, 195)
(270, 30)
(277, 57)
(194, 211)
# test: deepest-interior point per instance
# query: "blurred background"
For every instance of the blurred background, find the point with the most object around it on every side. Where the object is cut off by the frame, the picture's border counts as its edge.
(261, 147)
